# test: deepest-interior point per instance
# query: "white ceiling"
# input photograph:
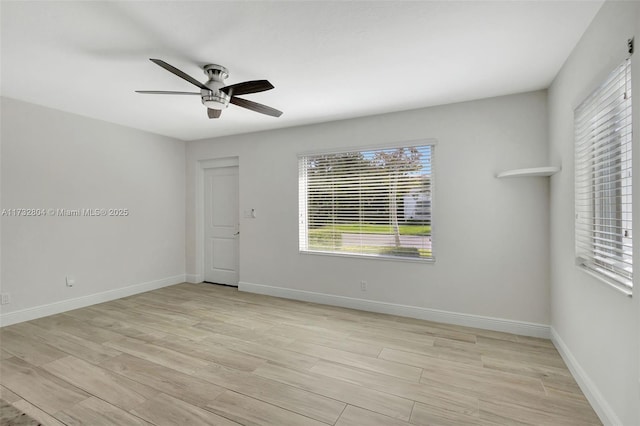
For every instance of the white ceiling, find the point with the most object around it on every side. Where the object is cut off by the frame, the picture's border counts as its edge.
(327, 60)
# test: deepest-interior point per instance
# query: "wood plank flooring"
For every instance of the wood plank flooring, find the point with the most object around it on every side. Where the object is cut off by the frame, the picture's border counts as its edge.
(201, 354)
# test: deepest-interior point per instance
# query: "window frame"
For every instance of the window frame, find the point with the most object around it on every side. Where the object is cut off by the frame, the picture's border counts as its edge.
(303, 229)
(591, 173)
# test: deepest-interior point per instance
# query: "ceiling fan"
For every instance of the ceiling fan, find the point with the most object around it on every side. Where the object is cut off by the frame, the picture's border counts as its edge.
(214, 94)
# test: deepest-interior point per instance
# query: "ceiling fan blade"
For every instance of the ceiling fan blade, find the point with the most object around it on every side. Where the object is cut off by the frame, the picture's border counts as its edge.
(163, 92)
(254, 106)
(213, 113)
(247, 87)
(179, 73)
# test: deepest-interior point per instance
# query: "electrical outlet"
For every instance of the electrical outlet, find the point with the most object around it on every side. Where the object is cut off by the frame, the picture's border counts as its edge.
(6, 299)
(70, 280)
(363, 285)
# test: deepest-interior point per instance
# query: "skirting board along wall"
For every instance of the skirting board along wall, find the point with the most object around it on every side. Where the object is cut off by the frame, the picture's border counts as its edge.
(83, 301)
(194, 278)
(588, 387)
(487, 323)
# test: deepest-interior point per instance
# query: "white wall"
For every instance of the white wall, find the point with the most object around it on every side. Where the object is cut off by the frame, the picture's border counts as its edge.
(491, 239)
(52, 159)
(596, 326)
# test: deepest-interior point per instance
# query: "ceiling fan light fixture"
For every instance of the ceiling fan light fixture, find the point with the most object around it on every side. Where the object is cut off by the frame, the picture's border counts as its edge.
(217, 100)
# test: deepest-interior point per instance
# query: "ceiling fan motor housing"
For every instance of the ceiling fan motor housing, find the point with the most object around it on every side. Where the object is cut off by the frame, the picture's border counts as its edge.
(214, 98)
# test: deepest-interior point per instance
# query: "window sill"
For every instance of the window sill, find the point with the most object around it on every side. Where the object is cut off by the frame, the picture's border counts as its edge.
(610, 283)
(370, 256)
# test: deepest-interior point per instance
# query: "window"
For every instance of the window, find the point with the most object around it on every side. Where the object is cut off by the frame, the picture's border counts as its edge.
(603, 180)
(375, 203)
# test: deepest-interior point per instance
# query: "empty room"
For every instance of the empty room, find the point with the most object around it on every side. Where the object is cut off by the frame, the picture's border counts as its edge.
(350, 213)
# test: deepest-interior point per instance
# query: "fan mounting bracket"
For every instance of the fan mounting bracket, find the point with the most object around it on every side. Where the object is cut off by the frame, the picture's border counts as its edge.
(216, 72)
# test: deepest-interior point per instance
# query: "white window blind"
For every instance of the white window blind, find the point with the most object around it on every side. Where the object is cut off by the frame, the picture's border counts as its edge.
(603, 180)
(374, 203)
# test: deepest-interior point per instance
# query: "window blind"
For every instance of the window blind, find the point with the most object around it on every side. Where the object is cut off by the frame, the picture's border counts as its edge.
(603, 208)
(369, 203)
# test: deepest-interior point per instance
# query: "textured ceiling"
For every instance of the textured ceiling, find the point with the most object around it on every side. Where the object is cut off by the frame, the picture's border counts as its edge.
(327, 60)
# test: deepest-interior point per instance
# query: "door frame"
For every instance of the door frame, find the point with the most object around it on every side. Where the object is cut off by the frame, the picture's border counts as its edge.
(202, 166)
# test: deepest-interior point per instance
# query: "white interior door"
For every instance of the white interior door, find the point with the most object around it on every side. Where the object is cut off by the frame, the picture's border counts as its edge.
(221, 225)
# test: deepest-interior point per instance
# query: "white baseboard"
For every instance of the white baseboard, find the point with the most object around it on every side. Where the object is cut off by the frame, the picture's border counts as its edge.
(194, 278)
(80, 302)
(468, 320)
(590, 390)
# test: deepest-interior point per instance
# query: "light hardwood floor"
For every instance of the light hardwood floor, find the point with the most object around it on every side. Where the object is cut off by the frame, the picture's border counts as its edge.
(195, 354)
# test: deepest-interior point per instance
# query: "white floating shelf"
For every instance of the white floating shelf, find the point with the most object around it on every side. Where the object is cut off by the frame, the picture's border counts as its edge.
(534, 171)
